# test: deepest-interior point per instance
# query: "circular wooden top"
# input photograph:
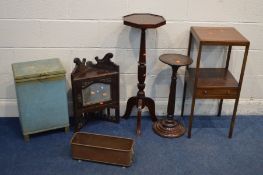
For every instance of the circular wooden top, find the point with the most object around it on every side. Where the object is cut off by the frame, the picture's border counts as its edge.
(176, 59)
(144, 20)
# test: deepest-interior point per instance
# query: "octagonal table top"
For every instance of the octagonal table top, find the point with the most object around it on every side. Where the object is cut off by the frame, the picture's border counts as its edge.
(144, 20)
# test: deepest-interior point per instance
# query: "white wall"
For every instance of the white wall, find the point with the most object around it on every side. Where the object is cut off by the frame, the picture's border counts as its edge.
(39, 29)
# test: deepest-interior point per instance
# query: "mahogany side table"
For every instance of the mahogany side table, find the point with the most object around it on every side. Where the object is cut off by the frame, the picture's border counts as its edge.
(142, 21)
(169, 127)
(215, 83)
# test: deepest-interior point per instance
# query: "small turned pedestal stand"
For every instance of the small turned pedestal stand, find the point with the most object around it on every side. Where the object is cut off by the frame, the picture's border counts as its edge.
(142, 21)
(170, 127)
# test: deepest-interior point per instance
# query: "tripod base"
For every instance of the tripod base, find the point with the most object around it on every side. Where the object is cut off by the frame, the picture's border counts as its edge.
(168, 128)
(145, 101)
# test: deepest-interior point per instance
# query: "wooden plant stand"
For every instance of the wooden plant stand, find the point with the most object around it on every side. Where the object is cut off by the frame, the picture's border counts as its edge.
(170, 127)
(142, 21)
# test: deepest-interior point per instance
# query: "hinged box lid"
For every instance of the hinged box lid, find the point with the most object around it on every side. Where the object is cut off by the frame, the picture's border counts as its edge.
(36, 70)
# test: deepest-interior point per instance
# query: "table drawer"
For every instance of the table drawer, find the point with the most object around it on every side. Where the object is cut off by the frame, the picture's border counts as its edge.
(216, 93)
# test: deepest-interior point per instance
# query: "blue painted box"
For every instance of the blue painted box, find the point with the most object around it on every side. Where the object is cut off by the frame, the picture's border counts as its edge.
(41, 95)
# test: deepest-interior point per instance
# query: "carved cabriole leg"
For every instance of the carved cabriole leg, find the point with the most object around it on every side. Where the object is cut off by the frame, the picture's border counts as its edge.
(130, 103)
(151, 107)
(148, 102)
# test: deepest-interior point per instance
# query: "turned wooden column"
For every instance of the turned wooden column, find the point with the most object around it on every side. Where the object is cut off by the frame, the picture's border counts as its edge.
(142, 66)
(170, 127)
(142, 21)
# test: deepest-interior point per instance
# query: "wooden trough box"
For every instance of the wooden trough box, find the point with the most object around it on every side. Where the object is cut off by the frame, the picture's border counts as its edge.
(102, 148)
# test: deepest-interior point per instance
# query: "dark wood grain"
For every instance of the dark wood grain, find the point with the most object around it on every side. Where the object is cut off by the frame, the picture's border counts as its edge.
(213, 78)
(170, 127)
(86, 73)
(175, 59)
(142, 21)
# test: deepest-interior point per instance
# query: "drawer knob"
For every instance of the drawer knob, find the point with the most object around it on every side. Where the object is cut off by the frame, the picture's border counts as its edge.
(205, 92)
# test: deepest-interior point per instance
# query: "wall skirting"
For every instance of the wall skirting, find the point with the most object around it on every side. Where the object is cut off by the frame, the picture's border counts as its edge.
(8, 107)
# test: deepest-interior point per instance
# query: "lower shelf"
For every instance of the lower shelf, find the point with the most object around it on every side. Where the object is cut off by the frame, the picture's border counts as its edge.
(216, 83)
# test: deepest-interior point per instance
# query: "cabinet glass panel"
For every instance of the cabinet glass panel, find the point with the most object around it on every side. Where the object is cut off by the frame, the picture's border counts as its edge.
(96, 93)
